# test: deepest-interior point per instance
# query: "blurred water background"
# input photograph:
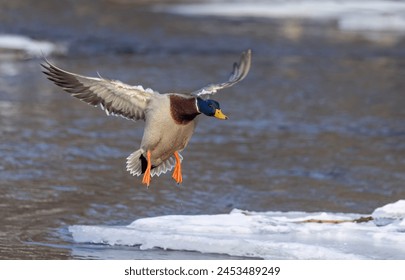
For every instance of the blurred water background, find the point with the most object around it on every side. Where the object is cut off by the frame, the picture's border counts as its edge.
(318, 124)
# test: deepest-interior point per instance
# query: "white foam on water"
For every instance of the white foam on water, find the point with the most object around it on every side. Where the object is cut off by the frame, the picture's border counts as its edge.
(267, 235)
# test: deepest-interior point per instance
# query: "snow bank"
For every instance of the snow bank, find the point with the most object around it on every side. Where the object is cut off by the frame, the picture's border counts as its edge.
(367, 15)
(393, 213)
(28, 46)
(268, 235)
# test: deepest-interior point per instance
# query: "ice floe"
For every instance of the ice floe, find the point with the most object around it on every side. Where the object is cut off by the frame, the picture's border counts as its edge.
(28, 47)
(375, 15)
(392, 213)
(267, 235)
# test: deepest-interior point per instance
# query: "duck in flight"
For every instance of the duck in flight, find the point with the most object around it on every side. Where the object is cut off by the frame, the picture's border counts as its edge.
(170, 118)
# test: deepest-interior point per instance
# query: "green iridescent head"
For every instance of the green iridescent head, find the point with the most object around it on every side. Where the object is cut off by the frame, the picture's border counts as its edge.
(210, 108)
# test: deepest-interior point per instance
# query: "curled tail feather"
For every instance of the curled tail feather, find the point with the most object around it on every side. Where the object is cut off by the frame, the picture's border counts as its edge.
(137, 163)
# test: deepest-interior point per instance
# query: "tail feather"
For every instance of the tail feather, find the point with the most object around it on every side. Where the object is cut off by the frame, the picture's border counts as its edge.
(144, 163)
(137, 163)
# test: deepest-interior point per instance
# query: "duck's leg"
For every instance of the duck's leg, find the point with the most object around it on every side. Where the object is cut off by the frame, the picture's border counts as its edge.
(146, 175)
(177, 169)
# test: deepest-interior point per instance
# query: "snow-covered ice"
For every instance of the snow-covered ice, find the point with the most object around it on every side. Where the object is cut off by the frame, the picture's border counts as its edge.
(28, 46)
(267, 235)
(359, 15)
(392, 213)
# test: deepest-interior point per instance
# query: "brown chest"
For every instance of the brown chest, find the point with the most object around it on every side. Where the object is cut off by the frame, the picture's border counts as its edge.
(182, 109)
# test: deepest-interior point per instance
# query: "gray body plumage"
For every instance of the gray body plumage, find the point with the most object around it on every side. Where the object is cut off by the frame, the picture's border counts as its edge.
(163, 136)
(170, 119)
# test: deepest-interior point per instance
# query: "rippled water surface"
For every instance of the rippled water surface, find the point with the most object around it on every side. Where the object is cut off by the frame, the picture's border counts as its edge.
(318, 124)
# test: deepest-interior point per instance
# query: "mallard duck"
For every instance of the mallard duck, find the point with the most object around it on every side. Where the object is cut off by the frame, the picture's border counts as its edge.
(170, 118)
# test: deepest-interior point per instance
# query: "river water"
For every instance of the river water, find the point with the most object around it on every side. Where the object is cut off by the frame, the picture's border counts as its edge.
(318, 124)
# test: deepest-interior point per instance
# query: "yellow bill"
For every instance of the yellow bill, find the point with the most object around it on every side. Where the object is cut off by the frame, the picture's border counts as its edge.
(219, 115)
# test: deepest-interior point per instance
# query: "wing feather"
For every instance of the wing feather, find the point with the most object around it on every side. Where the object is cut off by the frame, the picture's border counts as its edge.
(114, 97)
(240, 70)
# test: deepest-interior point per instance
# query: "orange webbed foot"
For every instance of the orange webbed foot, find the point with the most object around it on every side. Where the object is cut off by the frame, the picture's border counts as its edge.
(146, 176)
(177, 169)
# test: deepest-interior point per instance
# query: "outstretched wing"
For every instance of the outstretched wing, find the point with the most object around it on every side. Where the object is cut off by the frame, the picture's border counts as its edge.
(240, 70)
(115, 97)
